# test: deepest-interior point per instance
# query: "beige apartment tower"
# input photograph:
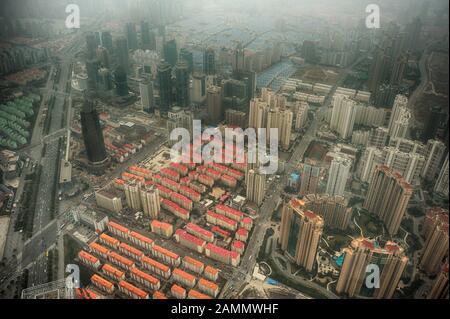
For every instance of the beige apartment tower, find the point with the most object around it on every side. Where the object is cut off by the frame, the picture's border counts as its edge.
(150, 201)
(301, 231)
(388, 197)
(391, 262)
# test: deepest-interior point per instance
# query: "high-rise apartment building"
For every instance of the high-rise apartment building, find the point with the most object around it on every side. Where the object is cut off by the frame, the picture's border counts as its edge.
(400, 117)
(338, 175)
(333, 209)
(435, 249)
(388, 196)
(256, 186)
(309, 179)
(439, 290)
(301, 231)
(343, 116)
(435, 151)
(132, 191)
(214, 104)
(391, 261)
(150, 201)
(441, 186)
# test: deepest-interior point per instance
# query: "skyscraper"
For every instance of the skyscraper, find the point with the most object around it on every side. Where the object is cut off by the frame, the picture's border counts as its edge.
(209, 62)
(435, 249)
(165, 86)
(388, 196)
(146, 37)
(122, 53)
(146, 90)
(107, 41)
(198, 90)
(214, 104)
(91, 45)
(170, 52)
(92, 72)
(391, 261)
(309, 179)
(441, 186)
(440, 285)
(343, 116)
(131, 35)
(309, 52)
(435, 151)
(338, 175)
(182, 84)
(92, 133)
(188, 57)
(256, 187)
(120, 81)
(300, 234)
(400, 116)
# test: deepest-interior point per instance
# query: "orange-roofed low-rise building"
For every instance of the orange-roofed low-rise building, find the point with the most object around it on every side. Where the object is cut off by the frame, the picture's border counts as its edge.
(118, 229)
(161, 228)
(141, 240)
(156, 267)
(130, 251)
(183, 278)
(132, 291)
(167, 256)
(222, 255)
(200, 232)
(178, 292)
(221, 220)
(102, 284)
(145, 279)
(109, 241)
(89, 259)
(113, 272)
(208, 287)
(211, 273)
(242, 234)
(190, 241)
(159, 295)
(193, 265)
(120, 261)
(99, 250)
(194, 294)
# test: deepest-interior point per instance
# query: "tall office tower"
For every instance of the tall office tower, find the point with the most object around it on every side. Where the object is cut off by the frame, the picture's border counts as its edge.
(302, 115)
(171, 52)
(333, 209)
(239, 58)
(435, 151)
(103, 56)
(343, 116)
(92, 133)
(146, 40)
(435, 249)
(441, 186)
(120, 81)
(256, 187)
(301, 231)
(398, 70)
(91, 45)
(132, 191)
(209, 62)
(131, 35)
(92, 73)
(107, 41)
(237, 118)
(378, 137)
(150, 201)
(309, 179)
(391, 260)
(182, 84)
(188, 57)
(388, 197)
(198, 89)
(338, 176)
(309, 51)
(214, 104)
(249, 78)
(379, 71)
(165, 86)
(122, 53)
(371, 158)
(440, 285)
(105, 79)
(146, 90)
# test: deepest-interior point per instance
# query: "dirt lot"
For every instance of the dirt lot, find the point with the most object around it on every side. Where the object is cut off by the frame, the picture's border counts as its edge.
(318, 74)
